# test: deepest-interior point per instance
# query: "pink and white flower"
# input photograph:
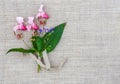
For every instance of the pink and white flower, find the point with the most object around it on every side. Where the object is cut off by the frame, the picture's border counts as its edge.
(20, 25)
(31, 25)
(42, 13)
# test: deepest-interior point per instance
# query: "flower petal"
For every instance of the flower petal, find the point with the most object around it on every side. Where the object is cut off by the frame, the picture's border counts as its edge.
(41, 8)
(40, 30)
(16, 28)
(22, 27)
(20, 20)
(29, 27)
(34, 26)
(30, 20)
(45, 15)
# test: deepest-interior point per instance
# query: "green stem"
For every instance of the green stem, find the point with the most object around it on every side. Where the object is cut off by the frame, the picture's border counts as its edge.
(39, 68)
(39, 54)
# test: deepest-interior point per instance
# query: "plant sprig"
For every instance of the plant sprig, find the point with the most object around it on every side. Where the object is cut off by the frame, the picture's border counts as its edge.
(48, 42)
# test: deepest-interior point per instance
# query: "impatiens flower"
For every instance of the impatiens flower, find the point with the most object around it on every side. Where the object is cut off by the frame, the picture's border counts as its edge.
(31, 25)
(42, 13)
(20, 25)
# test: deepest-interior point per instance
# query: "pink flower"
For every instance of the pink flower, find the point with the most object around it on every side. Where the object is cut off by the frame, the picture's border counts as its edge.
(20, 25)
(31, 25)
(42, 13)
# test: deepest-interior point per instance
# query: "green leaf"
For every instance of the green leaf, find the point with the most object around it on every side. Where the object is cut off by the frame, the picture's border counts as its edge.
(52, 38)
(21, 50)
(37, 43)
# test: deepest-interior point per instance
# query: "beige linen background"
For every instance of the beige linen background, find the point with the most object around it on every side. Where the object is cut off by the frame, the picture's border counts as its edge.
(91, 41)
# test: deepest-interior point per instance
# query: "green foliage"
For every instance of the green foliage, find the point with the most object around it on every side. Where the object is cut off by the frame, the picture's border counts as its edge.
(52, 38)
(37, 43)
(21, 50)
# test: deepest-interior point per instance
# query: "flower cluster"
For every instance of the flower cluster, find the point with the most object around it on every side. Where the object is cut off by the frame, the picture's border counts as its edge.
(43, 40)
(34, 24)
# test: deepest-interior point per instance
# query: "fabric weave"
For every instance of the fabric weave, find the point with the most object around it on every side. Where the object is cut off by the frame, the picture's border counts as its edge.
(91, 42)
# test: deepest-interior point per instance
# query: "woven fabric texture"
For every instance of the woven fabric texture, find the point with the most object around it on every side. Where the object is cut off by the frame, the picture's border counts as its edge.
(91, 42)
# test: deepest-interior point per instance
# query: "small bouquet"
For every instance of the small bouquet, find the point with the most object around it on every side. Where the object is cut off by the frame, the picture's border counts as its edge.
(43, 40)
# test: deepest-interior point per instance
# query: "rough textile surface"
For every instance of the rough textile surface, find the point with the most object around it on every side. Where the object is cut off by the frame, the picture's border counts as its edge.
(91, 41)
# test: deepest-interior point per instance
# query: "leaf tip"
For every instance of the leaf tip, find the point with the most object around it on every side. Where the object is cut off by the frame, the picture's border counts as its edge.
(65, 23)
(7, 52)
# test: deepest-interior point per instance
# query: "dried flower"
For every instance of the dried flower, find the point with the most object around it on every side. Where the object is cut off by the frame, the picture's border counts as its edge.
(19, 35)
